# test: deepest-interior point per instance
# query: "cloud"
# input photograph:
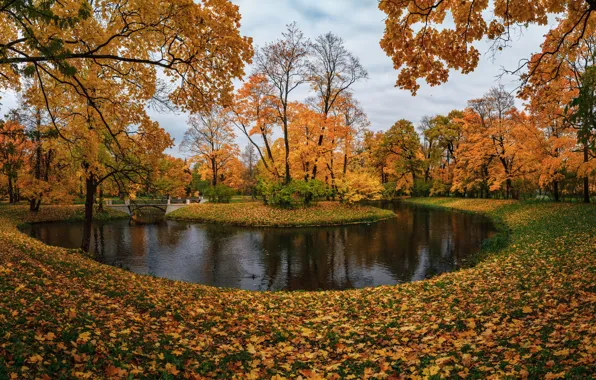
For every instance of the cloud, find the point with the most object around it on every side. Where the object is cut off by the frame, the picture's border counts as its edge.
(361, 24)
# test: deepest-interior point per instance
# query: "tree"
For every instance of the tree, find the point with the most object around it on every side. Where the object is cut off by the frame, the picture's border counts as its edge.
(250, 160)
(283, 63)
(99, 67)
(424, 46)
(170, 177)
(332, 71)
(403, 147)
(210, 139)
(253, 113)
(14, 148)
(356, 123)
(197, 44)
(585, 116)
(442, 136)
(496, 148)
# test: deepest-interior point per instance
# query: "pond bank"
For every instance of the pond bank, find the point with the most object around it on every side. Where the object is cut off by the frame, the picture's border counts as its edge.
(524, 311)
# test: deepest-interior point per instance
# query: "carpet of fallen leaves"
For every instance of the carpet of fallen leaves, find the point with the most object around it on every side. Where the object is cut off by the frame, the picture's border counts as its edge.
(259, 215)
(50, 213)
(527, 311)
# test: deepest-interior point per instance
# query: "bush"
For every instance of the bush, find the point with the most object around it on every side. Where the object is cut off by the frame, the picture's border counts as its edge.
(421, 188)
(389, 190)
(296, 194)
(219, 193)
(359, 186)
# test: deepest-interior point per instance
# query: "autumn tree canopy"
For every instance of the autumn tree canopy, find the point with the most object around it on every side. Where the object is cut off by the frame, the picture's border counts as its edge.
(427, 38)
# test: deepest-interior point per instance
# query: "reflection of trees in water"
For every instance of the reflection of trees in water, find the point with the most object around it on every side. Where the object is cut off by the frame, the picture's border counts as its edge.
(299, 259)
(417, 243)
(219, 261)
(169, 233)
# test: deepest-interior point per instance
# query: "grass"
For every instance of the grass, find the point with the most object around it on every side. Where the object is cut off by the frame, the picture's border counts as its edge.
(258, 215)
(525, 311)
(53, 213)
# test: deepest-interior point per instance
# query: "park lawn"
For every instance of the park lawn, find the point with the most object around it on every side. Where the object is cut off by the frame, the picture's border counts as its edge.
(526, 310)
(258, 215)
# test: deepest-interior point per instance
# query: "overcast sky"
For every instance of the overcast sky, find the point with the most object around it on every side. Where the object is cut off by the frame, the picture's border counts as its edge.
(361, 24)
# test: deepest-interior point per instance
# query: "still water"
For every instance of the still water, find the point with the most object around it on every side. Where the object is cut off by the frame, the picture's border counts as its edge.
(418, 243)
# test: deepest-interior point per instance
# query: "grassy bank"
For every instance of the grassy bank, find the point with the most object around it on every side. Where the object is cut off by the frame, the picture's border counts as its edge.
(524, 311)
(53, 213)
(258, 215)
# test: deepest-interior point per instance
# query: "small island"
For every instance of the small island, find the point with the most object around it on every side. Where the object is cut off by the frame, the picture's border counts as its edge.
(253, 214)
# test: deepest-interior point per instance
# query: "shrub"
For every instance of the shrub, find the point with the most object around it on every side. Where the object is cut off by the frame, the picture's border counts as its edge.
(421, 188)
(296, 194)
(219, 193)
(356, 187)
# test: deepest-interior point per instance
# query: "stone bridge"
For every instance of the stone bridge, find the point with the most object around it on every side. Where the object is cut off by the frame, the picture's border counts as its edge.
(167, 207)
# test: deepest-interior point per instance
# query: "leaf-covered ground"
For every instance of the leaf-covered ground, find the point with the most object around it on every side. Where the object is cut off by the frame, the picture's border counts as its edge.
(51, 213)
(259, 215)
(525, 311)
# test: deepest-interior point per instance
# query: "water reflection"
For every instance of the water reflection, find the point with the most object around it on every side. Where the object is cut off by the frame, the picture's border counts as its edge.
(418, 243)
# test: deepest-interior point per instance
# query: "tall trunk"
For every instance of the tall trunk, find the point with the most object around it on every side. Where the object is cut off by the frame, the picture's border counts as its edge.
(508, 188)
(345, 170)
(90, 189)
(288, 177)
(556, 190)
(11, 198)
(586, 178)
(34, 203)
(214, 172)
(100, 206)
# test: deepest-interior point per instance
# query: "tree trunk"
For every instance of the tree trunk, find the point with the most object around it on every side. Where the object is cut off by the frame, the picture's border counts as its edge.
(100, 205)
(288, 177)
(214, 173)
(91, 188)
(10, 190)
(586, 178)
(508, 188)
(556, 190)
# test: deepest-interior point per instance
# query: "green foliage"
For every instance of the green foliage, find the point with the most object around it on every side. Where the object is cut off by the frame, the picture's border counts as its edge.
(296, 194)
(390, 190)
(585, 113)
(219, 193)
(421, 188)
(198, 183)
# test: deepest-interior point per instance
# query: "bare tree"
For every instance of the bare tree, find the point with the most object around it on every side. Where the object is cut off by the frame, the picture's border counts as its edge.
(250, 159)
(332, 70)
(211, 139)
(284, 63)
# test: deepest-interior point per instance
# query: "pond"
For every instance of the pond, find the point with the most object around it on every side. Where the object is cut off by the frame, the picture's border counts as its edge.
(418, 243)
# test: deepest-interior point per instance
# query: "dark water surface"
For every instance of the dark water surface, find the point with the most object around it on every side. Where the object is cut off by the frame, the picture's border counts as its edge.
(418, 243)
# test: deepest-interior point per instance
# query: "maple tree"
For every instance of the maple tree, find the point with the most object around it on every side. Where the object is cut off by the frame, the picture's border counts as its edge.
(97, 68)
(497, 146)
(424, 45)
(14, 147)
(564, 99)
(170, 177)
(253, 114)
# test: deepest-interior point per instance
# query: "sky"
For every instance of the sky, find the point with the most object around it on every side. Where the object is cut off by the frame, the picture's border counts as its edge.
(360, 23)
